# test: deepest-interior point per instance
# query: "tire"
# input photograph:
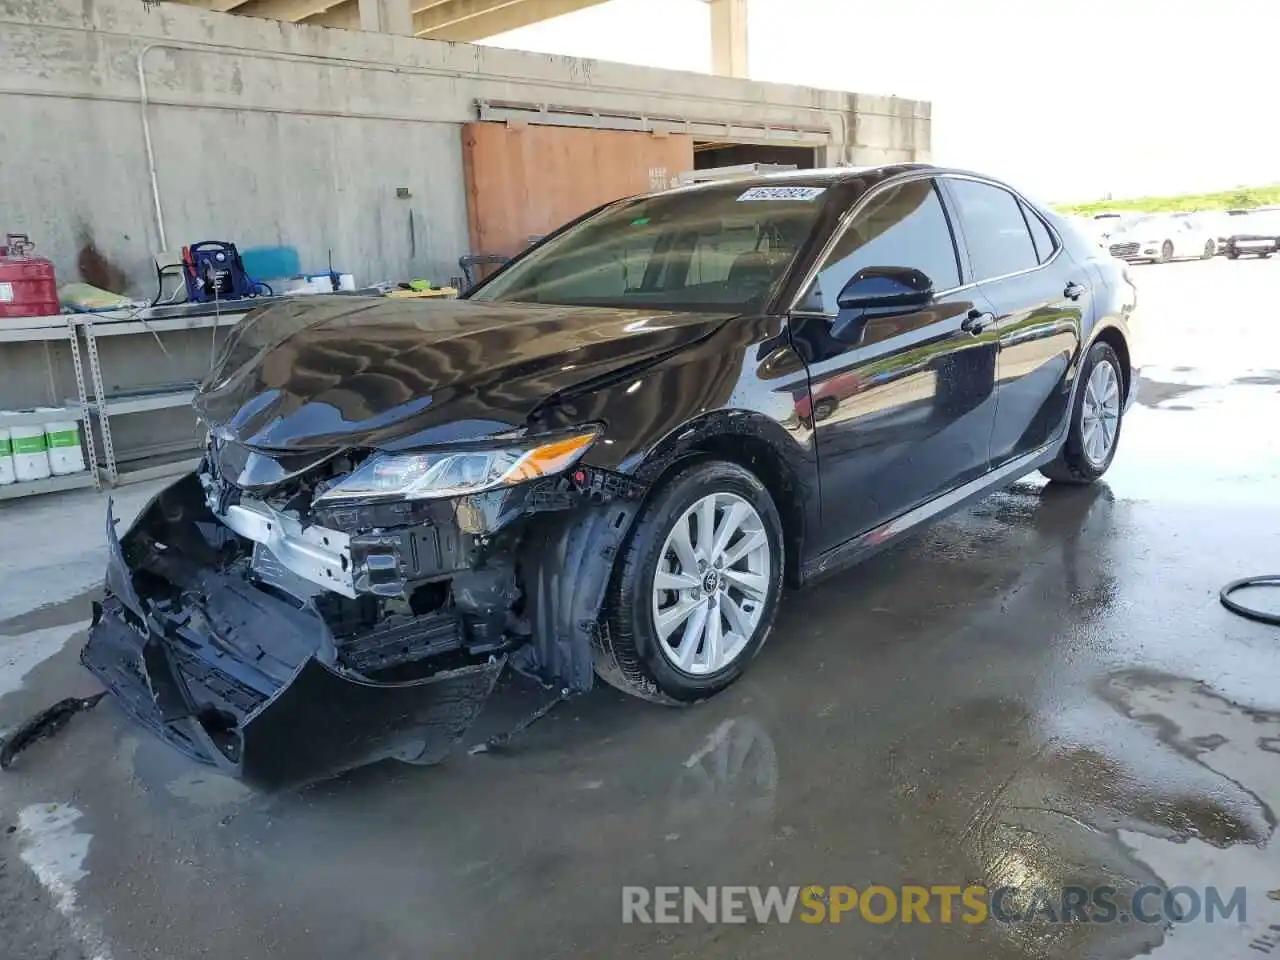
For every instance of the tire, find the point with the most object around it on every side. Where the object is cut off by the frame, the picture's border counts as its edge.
(1264, 256)
(1166, 251)
(634, 657)
(1210, 248)
(1232, 254)
(1074, 463)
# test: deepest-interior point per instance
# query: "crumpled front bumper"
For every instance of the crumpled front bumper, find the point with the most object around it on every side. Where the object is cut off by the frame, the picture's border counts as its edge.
(161, 661)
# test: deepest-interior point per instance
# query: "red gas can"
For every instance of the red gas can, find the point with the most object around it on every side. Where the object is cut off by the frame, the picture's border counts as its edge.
(28, 287)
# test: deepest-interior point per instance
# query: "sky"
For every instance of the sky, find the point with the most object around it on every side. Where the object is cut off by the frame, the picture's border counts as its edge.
(1067, 99)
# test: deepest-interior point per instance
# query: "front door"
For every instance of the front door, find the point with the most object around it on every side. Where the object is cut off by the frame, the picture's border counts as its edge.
(901, 403)
(1039, 296)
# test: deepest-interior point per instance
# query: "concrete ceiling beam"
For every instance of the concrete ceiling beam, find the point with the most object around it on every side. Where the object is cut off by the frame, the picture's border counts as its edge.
(470, 20)
(220, 6)
(289, 10)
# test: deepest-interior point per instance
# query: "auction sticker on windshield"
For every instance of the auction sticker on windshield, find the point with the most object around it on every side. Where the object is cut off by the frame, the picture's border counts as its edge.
(783, 193)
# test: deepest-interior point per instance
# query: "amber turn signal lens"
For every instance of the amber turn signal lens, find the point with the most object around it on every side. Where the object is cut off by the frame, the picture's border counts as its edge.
(549, 458)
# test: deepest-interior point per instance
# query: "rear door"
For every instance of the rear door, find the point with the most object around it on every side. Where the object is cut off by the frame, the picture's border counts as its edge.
(1039, 296)
(901, 403)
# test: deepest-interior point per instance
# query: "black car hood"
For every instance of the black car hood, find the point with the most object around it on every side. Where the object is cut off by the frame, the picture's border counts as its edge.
(329, 372)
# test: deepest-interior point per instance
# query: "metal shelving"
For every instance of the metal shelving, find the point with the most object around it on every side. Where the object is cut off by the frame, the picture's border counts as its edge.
(22, 418)
(48, 329)
(141, 402)
(30, 488)
(93, 406)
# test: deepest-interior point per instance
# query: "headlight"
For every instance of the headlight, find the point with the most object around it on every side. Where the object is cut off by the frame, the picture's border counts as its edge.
(456, 473)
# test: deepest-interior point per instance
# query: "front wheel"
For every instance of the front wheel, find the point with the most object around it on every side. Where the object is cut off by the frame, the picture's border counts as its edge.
(1166, 251)
(696, 587)
(1096, 415)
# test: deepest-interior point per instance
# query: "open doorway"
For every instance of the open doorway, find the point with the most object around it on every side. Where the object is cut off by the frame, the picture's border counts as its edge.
(708, 154)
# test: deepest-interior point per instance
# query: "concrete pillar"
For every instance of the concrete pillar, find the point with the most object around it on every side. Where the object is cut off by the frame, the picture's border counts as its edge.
(729, 37)
(387, 16)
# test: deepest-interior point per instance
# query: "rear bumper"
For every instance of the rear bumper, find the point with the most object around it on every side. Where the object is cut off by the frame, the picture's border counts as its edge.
(178, 662)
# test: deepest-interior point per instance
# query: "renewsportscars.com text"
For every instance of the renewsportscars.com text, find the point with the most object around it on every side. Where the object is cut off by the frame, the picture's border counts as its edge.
(815, 903)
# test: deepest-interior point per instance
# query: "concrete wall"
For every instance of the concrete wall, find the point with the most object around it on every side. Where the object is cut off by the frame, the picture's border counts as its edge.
(266, 132)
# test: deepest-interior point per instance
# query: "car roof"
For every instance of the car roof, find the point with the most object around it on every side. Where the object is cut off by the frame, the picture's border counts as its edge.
(819, 176)
(866, 177)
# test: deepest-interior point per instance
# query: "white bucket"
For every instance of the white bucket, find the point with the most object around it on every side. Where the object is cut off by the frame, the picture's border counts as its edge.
(30, 452)
(6, 458)
(63, 440)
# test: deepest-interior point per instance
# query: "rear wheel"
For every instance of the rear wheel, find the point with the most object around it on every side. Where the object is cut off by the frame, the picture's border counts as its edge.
(696, 587)
(1096, 415)
(1210, 248)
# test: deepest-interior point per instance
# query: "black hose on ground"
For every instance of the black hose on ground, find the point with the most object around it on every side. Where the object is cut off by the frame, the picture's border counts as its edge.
(1262, 616)
(44, 724)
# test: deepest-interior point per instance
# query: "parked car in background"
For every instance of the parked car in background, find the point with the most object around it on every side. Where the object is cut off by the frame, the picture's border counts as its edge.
(1158, 238)
(1217, 223)
(1254, 233)
(604, 461)
(1096, 230)
(1105, 224)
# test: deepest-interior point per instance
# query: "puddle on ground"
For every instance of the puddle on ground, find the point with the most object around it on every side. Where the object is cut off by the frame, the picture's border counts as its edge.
(1173, 787)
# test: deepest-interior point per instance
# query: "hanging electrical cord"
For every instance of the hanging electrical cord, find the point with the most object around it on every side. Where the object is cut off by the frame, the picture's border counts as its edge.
(1252, 613)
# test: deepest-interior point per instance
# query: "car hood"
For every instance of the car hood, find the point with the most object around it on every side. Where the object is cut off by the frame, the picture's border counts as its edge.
(323, 373)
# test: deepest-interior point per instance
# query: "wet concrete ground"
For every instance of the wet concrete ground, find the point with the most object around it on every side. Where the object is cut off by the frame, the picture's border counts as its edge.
(1041, 691)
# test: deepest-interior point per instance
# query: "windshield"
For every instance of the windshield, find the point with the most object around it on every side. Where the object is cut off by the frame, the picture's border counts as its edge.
(1143, 222)
(721, 248)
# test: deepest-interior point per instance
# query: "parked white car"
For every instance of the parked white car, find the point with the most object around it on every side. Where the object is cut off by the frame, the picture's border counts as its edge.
(1158, 238)
(1214, 222)
(1105, 224)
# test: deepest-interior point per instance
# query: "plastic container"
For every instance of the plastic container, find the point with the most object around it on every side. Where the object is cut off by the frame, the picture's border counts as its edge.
(30, 452)
(62, 438)
(28, 287)
(6, 458)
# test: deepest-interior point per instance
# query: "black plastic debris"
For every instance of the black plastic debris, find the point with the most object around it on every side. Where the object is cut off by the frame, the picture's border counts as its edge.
(44, 724)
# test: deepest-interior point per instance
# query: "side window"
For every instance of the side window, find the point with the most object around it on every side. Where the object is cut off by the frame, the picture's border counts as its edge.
(1040, 234)
(994, 229)
(903, 226)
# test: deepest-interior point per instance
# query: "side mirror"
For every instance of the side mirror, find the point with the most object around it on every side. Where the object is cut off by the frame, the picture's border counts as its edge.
(901, 288)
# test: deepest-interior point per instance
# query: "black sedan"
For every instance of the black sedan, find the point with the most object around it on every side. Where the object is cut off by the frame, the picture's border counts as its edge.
(1254, 233)
(606, 461)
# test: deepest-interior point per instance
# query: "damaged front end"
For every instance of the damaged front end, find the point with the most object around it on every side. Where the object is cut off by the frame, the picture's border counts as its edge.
(281, 618)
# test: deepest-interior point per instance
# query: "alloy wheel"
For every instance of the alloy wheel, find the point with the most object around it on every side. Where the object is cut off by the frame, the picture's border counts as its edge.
(1100, 413)
(711, 585)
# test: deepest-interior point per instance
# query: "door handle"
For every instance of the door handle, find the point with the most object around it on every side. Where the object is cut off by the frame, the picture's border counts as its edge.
(977, 321)
(1074, 291)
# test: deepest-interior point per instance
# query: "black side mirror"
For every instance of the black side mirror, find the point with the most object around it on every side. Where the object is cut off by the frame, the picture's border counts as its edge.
(873, 288)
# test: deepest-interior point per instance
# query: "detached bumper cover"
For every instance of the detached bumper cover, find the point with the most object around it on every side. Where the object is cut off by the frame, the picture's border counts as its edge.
(166, 665)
